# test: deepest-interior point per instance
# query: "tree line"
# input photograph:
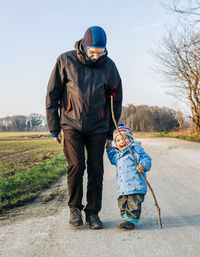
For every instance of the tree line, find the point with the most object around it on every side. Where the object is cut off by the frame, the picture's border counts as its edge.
(32, 122)
(149, 118)
(138, 118)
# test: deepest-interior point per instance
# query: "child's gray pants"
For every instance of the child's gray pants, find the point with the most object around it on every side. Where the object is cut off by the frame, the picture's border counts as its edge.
(130, 205)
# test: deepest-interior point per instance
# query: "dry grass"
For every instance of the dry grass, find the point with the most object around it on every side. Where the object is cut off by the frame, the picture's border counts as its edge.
(9, 135)
(188, 135)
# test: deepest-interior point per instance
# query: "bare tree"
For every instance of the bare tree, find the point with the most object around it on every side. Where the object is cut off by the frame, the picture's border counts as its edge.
(35, 120)
(187, 7)
(179, 56)
(180, 118)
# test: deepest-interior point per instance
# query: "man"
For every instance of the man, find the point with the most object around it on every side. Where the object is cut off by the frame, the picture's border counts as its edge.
(78, 102)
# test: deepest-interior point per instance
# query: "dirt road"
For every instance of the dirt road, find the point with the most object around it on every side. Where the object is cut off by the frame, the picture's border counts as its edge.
(41, 229)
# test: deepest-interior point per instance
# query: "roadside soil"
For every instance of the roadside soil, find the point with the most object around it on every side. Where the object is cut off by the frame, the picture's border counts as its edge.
(41, 228)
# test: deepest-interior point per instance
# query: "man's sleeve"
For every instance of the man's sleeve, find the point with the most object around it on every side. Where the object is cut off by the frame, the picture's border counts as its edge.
(53, 97)
(116, 91)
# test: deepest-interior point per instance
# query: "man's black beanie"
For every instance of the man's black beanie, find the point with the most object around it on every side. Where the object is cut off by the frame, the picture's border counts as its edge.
(94, 37)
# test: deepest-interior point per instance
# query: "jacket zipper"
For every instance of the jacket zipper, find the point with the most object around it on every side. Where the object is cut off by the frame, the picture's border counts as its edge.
(102, 113)
(69, 104)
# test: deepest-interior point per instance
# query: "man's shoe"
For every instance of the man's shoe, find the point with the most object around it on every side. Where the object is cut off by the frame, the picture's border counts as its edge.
(75, 217)
(93, 221)
(126, 225)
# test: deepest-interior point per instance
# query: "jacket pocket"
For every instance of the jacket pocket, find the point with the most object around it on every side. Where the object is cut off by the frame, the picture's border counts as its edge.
(69, 104)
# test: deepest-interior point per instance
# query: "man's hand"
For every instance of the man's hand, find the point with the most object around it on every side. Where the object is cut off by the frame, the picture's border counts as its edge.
(108, 143)
(58, 139)
(140, 168)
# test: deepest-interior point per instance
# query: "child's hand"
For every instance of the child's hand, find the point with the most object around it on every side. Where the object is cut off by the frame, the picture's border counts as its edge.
(108, 143)
(140, 168)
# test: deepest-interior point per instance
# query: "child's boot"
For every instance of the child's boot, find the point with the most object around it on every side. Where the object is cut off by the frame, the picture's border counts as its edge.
(126, 225)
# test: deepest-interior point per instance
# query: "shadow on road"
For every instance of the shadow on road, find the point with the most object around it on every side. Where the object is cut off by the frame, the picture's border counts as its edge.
(170, 222)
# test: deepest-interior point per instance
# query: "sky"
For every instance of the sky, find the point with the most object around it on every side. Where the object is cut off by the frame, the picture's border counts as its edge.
(35, 32)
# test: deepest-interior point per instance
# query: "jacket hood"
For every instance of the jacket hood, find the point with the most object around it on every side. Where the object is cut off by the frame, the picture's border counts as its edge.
(83, 57)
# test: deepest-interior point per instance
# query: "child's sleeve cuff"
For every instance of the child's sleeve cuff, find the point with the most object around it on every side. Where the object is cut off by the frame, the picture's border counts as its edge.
(110, 149)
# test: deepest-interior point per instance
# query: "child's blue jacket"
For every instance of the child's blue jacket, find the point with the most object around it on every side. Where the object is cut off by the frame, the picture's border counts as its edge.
(129, 179)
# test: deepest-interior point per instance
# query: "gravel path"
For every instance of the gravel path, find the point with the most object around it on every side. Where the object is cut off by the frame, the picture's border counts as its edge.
(41, 229)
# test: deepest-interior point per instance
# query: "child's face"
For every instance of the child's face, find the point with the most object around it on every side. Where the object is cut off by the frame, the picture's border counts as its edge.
(120, 142)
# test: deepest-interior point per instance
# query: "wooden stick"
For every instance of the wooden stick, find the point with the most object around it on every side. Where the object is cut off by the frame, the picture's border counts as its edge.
(154, 197)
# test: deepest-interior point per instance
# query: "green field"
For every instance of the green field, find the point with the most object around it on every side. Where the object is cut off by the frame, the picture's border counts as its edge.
(29, 162)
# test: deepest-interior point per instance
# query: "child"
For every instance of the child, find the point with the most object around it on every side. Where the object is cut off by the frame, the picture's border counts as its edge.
(132, 187)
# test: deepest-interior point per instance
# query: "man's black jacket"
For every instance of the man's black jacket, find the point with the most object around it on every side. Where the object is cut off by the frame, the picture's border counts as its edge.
(78, 94)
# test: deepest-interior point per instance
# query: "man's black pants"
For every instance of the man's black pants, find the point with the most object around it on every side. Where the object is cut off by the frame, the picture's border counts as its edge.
(74, 145)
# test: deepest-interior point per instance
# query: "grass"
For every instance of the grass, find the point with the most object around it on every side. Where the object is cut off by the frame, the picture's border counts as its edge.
(143, 134)
(184, 135)
(29, 162)
(23, 134)
(25, 185)
(180, 135)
